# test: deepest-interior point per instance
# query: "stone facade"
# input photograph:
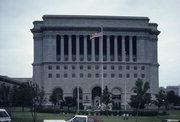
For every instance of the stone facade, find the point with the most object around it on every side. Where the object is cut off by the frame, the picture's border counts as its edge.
(65, 57)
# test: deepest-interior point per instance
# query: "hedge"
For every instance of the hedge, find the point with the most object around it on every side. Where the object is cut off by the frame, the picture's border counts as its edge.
(104, 113)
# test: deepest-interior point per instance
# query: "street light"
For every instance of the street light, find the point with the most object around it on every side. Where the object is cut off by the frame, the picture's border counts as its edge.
(125, 107)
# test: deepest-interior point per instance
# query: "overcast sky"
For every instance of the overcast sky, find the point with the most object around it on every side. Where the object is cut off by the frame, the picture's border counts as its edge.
(16, 40)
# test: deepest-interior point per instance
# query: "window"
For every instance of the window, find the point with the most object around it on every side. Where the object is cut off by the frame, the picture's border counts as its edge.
(127, 75)
(49, 75)
(142, 75)
(120, 67)
(65, 67)
(127, 67)
(135, 67)
(79, 119)
(73, 75)
(73, 67)
(90, 120)
(120, 75)
(112, 67)
(58, 47)
(81, 67)
(89, 75)
(81, 75)
(89, 66)
(142, 67)
(65, 75)
(57, 67)
(104, 75)
(50, 67)
(57, 75)
(112, 75)
(104, 67)
(97, 67)
(135, 75)
(97, 75)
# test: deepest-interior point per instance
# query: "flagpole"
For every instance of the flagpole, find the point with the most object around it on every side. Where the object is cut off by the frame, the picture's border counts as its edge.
(102, 80)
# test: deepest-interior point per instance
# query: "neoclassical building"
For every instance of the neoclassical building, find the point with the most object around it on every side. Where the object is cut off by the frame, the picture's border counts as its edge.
(66, 58)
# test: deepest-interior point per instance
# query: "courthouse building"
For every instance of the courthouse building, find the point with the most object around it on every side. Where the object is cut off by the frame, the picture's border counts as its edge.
(65, 56)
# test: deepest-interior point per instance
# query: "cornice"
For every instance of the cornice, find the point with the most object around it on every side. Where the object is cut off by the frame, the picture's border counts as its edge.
(88, 28)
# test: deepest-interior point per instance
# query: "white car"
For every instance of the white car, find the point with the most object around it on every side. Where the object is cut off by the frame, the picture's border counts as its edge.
(78, 118)
(4, 116)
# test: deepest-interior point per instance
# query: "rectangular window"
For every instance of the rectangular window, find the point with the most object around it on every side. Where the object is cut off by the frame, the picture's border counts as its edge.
(104, 46)
(142, 67)
(142, 75)
(127, 67)
(89, 66)
(135, 67)
(112, 75)
(57, 67)
(57, 75)
(58, 47)
(65, 67)
(50, 67)
(65, 75)
(89, 75)
(81, 44)
(135, 75)
(120, 75)
(73, 75)
(120, 67)
(104, 75)
(97, 67)
(49, 75)
(104, 67)
(81, 75)
(127, 75)
(97, 75)
(112, 67)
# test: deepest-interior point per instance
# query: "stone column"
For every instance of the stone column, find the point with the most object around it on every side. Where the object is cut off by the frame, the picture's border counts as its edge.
(108, 48)
(123, 49)
(93, 49)
(85, 47)
(130, 49)
(77, 47)
(140, 49)
(115, 49)
(69, 48)
(62, 47)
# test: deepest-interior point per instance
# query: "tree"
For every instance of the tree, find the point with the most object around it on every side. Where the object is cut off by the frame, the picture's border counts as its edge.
(38, 99)
(69, 101)
(25, 95)
(56, 96)
(172, 98)
(4, 95)
(161, 99)
(141, 96)
(106, 96)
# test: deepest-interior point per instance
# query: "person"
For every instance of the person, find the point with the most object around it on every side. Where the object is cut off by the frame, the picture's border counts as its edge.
(127, 115)
(124, 116)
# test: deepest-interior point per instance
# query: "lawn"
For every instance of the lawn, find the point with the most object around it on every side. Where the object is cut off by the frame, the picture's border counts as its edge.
(26, 117)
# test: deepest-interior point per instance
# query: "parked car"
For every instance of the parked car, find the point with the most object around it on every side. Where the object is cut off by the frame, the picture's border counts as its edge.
(4, 116)
(78, 118)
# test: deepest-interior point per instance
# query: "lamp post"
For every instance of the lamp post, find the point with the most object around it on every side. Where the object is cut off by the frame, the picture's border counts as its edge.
(125, 97)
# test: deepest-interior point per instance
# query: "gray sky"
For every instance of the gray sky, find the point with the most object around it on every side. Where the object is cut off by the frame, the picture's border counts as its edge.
(16, 17)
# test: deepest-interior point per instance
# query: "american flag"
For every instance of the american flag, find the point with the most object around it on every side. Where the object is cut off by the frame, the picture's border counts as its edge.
(94, 35)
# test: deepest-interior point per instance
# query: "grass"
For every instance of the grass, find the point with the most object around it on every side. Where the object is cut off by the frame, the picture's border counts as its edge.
(18, 116)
